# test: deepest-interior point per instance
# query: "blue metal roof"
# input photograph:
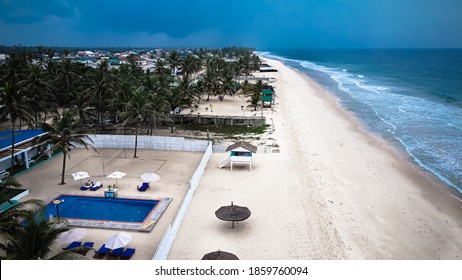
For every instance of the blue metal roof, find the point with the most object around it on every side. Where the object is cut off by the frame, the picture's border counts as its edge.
(19, 136)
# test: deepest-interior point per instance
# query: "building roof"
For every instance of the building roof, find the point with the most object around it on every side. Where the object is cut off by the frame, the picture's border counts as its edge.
(19, 136)
(244, 145)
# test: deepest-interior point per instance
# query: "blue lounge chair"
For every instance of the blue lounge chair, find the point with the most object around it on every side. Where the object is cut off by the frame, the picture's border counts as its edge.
(96, 186)
(116, 253)
(101, 252)
(144, 187)
(73, 245)
(84, 187)
(127, 254)
(83, 250)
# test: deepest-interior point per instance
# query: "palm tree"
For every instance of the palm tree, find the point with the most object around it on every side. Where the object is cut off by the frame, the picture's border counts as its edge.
(136, 111)
(64, 132)
(5, 185)
(174, 61)
(28, 237)
(100, 90)
(14, 106)
(67, 79)
(37, 90)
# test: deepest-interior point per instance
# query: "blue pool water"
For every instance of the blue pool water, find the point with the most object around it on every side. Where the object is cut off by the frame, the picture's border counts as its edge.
(99, 208)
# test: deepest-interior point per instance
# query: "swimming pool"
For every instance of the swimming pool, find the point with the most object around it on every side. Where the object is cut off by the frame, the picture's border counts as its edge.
(102, 209)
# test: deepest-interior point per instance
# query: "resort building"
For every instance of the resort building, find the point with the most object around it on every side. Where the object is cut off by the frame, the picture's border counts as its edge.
(27, 149)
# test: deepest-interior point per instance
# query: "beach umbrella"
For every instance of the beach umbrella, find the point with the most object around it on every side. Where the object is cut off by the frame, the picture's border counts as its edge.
(80, 175)
(72, 235)
(233, 213)
(219, 255)
(116, 175)
(118, 240)
(150, 177)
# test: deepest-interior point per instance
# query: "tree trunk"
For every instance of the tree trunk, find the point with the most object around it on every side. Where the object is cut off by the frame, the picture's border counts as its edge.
(64, 168)
(12, 146)
(136, 139)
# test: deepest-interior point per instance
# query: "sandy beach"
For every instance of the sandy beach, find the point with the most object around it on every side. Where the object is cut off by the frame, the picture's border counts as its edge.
(332, 192)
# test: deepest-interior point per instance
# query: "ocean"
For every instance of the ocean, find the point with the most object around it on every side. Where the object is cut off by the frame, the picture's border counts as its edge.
(412, 98)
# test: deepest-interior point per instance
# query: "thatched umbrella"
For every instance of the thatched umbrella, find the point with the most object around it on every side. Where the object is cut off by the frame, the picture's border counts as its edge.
(219, 255)
(233, 213)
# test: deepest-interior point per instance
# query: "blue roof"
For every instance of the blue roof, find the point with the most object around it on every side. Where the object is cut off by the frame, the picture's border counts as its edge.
(19, 136)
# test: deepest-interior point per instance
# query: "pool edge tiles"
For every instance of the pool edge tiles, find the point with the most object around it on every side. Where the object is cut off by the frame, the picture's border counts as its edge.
(146, 226)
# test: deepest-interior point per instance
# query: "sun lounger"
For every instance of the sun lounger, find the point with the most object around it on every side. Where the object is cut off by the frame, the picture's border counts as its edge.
(144, 187)
(83, 250)
(73, 245)
(96, 186)
(84, 187)
(115, 254)
(127, 254)
(101, 252)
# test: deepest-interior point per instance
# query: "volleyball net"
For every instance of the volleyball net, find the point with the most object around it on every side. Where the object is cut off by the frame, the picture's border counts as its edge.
(122, 153)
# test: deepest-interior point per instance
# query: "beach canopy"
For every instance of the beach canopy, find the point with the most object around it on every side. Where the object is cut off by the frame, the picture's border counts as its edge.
(233, 213)
(150, 177)
(80, 175)
(118, 240)
(72, 235)
(116, 175)
(219, 255)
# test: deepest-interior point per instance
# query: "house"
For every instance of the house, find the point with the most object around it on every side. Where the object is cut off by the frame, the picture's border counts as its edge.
(240, 153)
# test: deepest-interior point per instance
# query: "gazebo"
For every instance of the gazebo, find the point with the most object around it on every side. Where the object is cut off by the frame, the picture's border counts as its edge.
(240, 153)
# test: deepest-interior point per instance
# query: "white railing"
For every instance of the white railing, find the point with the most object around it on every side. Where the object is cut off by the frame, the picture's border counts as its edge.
(170, 234)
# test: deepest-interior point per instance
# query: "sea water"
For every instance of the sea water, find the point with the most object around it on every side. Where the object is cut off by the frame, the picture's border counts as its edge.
(411, 98)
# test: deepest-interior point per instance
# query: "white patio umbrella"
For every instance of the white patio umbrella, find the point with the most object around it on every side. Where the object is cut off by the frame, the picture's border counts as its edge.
(118, 240)
(80, 175)
(72, 235)
(116, 175)
(150, 177)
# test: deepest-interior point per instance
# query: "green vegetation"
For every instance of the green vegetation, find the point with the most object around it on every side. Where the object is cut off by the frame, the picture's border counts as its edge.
(26, 236)
(7, 195)
(35, 83)
(227, 130)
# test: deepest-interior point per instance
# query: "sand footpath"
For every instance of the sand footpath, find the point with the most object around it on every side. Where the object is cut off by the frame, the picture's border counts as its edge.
(332, 192)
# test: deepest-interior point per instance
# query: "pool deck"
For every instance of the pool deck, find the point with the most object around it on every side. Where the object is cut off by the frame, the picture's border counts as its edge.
(175, 169)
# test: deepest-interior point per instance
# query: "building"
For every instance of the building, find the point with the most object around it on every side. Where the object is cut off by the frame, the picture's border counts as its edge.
(27, 148)
(240, 153)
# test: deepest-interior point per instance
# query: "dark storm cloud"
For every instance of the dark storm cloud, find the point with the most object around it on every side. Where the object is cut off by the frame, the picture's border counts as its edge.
(33, 11)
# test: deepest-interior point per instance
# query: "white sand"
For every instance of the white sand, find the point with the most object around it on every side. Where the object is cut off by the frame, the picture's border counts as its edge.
(333, 191)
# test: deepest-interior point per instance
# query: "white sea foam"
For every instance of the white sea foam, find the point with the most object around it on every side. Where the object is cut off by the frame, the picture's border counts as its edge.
(418, 124)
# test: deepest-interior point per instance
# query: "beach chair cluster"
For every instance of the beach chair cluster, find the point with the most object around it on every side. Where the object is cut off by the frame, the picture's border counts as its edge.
(80, 248)
(90, 186)
(144, 187)
(116, 254)
(101, 253)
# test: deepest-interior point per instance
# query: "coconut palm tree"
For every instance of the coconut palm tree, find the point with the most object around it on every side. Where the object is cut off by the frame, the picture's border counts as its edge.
(174, 61)
(25, 236)
(64, 133)
(100, 90)
(38, 91)
(15, 106)
(5, 185)
(136, 111)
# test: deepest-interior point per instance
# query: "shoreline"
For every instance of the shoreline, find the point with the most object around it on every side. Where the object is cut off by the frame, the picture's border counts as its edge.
(338, 193)
(400, 152)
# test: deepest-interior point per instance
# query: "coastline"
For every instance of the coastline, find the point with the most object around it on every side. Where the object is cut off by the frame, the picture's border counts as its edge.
(333, 192)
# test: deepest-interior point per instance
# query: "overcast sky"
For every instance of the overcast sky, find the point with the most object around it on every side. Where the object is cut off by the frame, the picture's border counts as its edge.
(263, 24)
